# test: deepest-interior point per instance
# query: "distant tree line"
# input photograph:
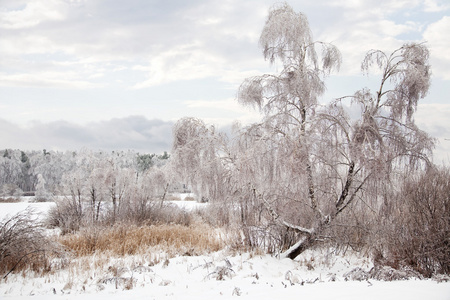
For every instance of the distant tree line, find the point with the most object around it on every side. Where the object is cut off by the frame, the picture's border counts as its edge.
(44, 172)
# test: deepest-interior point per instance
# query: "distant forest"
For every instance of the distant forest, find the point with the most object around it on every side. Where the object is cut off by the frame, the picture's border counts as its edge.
(25, 172)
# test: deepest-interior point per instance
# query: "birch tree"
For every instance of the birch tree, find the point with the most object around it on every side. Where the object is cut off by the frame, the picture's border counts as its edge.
(313, 161)
(305, 164)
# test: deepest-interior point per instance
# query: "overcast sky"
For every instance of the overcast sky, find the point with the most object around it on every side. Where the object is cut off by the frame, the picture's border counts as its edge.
(115, 75)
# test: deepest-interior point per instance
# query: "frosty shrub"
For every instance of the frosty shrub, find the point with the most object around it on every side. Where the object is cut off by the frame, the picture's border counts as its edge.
(416, 227)
(67, 215)
(352, 229)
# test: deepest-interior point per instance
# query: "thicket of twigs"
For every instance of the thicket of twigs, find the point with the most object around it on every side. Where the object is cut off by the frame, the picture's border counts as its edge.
(414, 230)
(24, 245)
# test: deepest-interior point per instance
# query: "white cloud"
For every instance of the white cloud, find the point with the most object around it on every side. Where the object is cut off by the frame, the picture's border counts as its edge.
(437, 37)
(225, 107)
(192, 40)
(436, 5)
(34, 13)
(433, 118)
(365, 25)
(219, 34)
(185, 62)
(58, 80)
(362, 9)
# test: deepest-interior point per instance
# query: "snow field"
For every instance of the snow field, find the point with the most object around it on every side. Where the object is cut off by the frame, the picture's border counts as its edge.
(39, 208)
(316, 274)
(217, 276)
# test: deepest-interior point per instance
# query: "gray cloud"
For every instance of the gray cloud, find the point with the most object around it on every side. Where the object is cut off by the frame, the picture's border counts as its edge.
(134, 132)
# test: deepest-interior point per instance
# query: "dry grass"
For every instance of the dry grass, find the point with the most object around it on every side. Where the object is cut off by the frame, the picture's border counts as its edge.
(126, 239)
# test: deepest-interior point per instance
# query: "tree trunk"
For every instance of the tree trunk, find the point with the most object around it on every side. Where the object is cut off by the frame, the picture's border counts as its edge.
(114, 202)
(164, 195)
(310, 236)
(298, 248)
(307, 240)
(98, 210)
(93, 200)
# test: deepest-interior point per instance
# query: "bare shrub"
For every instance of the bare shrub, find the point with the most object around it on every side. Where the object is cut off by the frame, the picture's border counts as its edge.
(352, 229)
(416, 230)
(147, 212)
(126, 239)
(66, 215)
(23, 244)
(216, 215)
(357, 274)
(42, 200)
(387, 273)
(9, 200)
(170, 214)
(72, 214)
(272, 238)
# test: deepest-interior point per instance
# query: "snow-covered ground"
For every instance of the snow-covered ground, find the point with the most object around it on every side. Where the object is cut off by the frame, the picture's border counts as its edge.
(189, 205)
(222, 276)
(318, 274)
(38, 208)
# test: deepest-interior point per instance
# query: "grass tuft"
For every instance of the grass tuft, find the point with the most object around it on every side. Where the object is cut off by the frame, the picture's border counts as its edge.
(125, 239)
